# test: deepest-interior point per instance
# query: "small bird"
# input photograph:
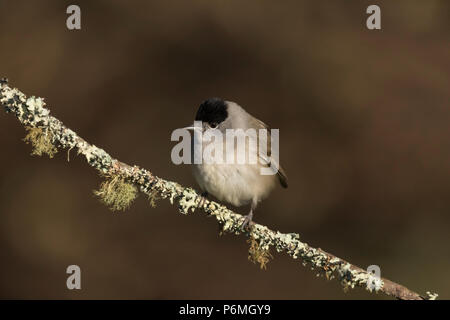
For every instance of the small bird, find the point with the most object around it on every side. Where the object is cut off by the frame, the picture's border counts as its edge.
(235, 183)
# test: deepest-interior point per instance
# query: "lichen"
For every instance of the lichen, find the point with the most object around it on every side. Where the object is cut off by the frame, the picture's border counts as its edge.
(96, 157)
(153, 197)
(116, 193)
(42, 141)
(187, 201)
(432, 296)
(258, 253)
(374, 283)
(351, 278)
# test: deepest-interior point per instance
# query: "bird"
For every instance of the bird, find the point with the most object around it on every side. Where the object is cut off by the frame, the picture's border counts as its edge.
(238, 183)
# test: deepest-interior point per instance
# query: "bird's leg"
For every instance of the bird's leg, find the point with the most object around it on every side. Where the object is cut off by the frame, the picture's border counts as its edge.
(203, 198)
(248, 219)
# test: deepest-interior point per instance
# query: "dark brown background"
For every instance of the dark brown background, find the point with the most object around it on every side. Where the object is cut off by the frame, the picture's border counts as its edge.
(364, 130)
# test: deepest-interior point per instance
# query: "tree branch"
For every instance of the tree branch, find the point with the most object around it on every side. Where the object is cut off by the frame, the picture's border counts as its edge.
(31, 112)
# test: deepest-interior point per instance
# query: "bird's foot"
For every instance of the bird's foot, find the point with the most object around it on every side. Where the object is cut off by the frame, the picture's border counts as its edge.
(248, 220)
(203, 197)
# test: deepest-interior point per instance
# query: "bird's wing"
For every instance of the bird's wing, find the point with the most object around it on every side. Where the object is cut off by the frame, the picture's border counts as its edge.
(258, 124)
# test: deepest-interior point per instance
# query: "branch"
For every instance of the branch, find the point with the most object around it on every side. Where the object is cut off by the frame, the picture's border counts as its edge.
(48, 133)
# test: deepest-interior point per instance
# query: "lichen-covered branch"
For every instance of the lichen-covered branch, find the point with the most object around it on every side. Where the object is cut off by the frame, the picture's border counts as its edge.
(49, 134)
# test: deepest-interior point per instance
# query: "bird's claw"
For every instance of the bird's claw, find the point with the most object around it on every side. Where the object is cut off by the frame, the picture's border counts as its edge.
(248, 221)
(203, 198)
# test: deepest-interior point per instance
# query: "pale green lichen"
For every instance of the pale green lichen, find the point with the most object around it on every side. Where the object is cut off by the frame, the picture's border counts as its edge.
(41, 140)
(35, 106)
(167, 189)
(116, 193)
(350, 278)
(188, 201)
(374, 283)
(258, 254)
(153, 198)
(432, 296)
(96, 157)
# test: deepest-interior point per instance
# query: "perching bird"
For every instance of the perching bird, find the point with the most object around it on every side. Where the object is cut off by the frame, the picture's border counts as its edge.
(237, 184)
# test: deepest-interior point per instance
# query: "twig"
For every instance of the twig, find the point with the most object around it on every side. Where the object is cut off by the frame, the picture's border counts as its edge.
(31, 112)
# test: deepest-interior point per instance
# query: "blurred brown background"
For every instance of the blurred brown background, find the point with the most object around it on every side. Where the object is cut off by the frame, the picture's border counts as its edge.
(364, 130)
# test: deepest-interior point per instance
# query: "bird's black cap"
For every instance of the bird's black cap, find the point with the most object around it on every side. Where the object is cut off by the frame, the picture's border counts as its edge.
(212, 111)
